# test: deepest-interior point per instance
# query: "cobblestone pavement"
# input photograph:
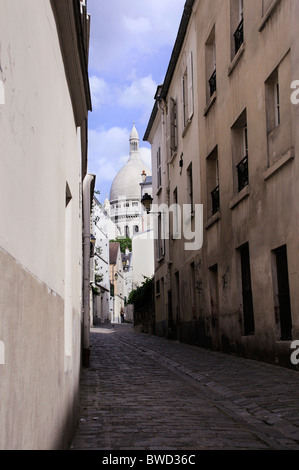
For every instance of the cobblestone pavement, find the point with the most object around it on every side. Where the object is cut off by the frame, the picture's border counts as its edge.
(142, 392)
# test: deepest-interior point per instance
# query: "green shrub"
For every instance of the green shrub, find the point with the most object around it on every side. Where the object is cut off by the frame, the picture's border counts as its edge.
(143, 295)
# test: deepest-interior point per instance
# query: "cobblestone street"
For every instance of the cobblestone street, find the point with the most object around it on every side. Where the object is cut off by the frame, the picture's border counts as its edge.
(147, 393)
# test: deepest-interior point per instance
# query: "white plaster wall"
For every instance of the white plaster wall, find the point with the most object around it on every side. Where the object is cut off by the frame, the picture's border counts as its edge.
(143, 257)
(39, 153)
(37, 140)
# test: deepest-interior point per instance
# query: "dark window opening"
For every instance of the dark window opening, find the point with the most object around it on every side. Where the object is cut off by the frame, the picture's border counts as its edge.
(213, 83)
(239, 36)
(215, 200)
(248, 315)
(283, 291)
(242, 169)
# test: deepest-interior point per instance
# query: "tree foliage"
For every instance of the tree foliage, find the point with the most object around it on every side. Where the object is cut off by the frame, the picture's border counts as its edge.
(124, 243)
(143, 295)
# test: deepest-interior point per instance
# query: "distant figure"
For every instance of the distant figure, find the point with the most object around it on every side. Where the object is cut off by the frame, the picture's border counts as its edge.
(122, 315)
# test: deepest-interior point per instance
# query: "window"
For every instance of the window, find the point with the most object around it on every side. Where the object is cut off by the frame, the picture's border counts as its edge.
(162, 292)
(135, 204)
(135, 229)
(111, 289)
(237, 25)
(159, 169)
(176, 215)
(240, 152)
(268, 9)
(214, 293)
(241, 9)
(190, 187)
(266, 6)
(134, 146)
(282, 301)
(177, 298)
(276, 103)
(187, 84)
(173, 127)
(273, 101)
(160, 226)
(278, 111)
(68, 195)
(213, 197)
(160, 235)
(127, 232)
(242, 167)
(158, 287)
(193, 291)
(210, 50)
(248, 315)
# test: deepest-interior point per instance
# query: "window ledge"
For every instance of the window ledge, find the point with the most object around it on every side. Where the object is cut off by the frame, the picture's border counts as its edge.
(159, 260)
(210, 103)
(236, 59)
(284, 341)
(189, 217)
(212, 220)
(244, 193)
(172, 157)
(159, 191)
(186, 127)
(268, 14)
(283, 160)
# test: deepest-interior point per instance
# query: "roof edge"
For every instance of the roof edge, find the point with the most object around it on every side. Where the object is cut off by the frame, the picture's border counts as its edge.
(162, 90)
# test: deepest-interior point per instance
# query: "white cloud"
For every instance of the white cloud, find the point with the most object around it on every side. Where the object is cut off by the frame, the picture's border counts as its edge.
(107, 149)
(139, 25)
(146, 156)
(135, 93)
(100, 91)
(119, 34)
(138, 94)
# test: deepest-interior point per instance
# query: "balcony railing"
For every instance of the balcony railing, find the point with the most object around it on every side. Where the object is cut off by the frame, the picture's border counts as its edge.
(242, 169)
(215, 200)
(212, 83)
(239, 36)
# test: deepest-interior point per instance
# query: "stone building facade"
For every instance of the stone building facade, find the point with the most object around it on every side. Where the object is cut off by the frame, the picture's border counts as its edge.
(224, 135)
(103, 230)
(45, 192)
(117, 283)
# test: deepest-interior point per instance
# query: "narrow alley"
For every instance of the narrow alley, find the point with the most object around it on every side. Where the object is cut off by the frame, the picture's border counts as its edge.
(143, 392)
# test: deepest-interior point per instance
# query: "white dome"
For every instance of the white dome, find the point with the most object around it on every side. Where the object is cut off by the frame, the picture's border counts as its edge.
(126, 184)
(127, 181)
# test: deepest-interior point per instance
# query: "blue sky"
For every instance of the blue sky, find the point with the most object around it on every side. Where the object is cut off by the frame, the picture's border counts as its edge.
(130, 47)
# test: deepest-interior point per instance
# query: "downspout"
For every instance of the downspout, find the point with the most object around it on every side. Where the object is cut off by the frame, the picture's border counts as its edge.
(88, 183)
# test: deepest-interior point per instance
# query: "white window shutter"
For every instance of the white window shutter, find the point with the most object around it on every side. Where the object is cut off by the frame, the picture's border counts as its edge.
(190, 86)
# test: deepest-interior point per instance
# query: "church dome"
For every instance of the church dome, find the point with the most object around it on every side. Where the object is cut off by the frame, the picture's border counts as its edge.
(126, 184)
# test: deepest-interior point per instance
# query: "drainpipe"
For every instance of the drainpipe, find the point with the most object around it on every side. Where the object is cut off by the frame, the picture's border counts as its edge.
(88, 185)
